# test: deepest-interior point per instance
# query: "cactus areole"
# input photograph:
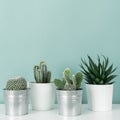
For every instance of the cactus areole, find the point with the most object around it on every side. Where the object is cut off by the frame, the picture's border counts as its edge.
(41, 74)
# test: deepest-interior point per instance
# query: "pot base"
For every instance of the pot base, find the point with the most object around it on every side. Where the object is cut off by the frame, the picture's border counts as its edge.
(100, 109)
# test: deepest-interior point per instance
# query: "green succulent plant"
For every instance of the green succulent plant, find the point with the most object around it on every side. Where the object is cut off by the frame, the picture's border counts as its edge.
(98, 73)
(41, 74)
(69, 82)
(16, 83)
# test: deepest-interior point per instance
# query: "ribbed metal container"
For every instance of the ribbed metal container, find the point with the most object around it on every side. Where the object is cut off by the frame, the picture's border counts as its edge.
(16, 102)
(69, 102)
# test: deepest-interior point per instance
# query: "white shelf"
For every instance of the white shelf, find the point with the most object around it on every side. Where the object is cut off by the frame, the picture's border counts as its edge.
(53, 114)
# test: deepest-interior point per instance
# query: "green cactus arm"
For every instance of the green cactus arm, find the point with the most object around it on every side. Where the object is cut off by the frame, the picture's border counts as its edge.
(48, 76)
(41, 63)
(44, 71)
(78, 80)
(35, 71)
(74, 81)
(37, 76)
(59, 84)
(40, 78)
(66, 72)
(66, 76)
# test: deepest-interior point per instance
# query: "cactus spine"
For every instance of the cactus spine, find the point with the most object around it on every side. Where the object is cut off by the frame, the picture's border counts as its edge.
(16, 83)
(41, 74)
(69, 82)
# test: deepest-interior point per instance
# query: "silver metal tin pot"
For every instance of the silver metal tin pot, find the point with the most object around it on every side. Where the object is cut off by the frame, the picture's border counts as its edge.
(16, 102)
(69, 102)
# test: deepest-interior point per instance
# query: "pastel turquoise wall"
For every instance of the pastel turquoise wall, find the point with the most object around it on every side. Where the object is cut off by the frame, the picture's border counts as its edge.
(59, 32)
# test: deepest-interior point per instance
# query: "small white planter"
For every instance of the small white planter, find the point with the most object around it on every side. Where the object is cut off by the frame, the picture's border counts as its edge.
(42, 96)
(99, 97)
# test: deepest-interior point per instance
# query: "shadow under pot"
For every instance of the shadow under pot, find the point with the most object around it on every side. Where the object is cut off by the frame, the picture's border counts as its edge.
(69, 102)
(16, 102)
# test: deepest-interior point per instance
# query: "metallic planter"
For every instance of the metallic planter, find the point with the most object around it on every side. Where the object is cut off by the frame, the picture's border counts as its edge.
(16, 102)
(69, 102)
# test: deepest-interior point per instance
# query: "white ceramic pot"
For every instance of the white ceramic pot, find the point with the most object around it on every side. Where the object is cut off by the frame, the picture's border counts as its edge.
(42, 96)
(99, 97)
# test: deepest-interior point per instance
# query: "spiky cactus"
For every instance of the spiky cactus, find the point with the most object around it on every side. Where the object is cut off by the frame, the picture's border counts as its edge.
(41, 74)
(16, 83)
(69, 82)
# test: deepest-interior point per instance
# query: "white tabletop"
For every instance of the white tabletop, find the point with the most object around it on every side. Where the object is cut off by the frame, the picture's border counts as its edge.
(53, 114)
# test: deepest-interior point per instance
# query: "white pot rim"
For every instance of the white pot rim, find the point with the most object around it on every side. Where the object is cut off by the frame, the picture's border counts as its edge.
(41, 83)
(69, 90)
(99, 85)
(16, 90)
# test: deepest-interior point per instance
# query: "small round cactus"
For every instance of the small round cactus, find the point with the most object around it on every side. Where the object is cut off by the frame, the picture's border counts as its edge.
(16, 83)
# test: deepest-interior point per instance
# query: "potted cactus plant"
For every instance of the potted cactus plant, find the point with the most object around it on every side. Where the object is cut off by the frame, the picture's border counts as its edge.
(42, 90)
(69, 93)
(99, 83)
(16, 96)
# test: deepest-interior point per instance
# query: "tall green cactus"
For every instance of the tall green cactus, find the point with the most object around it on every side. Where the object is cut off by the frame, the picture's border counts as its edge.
(16, 83)
(41, 74)
(69, 82)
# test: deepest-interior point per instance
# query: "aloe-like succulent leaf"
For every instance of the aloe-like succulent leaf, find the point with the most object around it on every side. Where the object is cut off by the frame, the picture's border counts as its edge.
(110, 78)
(99, 73)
